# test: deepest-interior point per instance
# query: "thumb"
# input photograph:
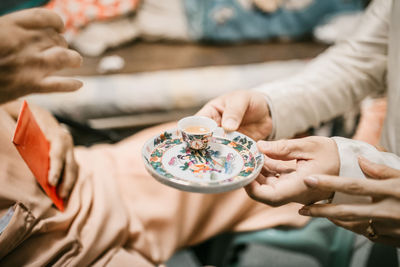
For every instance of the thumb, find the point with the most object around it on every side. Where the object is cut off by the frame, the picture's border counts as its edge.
(56, 162)
(235, 109)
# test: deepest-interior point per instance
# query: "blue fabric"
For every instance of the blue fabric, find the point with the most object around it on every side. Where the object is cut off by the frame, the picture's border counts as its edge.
(5, 220)
(330, 245)
(229, 21)
(7, 6)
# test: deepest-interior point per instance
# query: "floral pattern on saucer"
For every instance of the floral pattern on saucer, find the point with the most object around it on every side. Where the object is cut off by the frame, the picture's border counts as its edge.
(229, 162)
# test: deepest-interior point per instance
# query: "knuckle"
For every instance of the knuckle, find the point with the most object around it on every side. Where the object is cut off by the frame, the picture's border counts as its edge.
(353, 186)
(284, 147)
(59, 59)
(36, 36)
(314, 141)
(39, 14)
(65, 135)
(342, 213)
(53, 61)
(56, 150)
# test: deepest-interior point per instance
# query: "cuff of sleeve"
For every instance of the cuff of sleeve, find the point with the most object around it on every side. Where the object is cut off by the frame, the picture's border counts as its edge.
(349, 150)
(272, 103)
(288, 115)
(272, 113)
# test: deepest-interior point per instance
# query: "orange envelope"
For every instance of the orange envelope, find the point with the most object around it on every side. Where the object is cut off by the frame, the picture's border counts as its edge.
(34, 148)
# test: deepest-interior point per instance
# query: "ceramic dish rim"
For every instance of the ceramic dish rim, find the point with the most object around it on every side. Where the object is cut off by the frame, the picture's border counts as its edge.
(189, 186)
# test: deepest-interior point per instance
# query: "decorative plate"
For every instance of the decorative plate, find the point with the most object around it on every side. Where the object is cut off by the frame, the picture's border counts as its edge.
(230, 161)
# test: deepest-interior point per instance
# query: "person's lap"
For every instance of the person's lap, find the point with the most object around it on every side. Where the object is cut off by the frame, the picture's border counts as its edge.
(163, 219)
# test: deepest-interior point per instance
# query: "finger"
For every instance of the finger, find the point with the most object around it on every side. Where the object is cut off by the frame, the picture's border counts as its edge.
(57, 158)
(354, 186)
(210, 111)
(255, 131)
(359, 227)
(57, 58)
(386, 227)
(355, 226)
(235, 109)
(377, 171)
(344, 212)
(58, 84)
(38, 18)
(285, 149)
(263, 193)
(49, 37)
(278, 166)
(261, 179)
(70, 175)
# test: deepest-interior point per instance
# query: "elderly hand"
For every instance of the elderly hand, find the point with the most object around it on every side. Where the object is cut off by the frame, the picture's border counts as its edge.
(379, 220)
(63, 170)
(31, 49)
(287, 162)
(245, 111)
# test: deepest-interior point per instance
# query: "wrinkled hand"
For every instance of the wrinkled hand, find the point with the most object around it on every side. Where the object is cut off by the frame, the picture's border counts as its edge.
(63, 170)
(243, 111)
(31, 49)
(384, 210)
(287, 162)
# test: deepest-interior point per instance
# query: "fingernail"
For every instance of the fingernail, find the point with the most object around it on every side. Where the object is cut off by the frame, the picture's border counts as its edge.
(304, 211)
(311, 181)
(230, 124)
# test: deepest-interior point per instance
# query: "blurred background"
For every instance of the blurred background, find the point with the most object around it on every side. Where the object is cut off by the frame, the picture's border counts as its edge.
(152, 61)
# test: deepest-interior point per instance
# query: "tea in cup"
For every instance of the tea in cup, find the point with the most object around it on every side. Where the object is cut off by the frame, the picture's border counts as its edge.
(196, 131)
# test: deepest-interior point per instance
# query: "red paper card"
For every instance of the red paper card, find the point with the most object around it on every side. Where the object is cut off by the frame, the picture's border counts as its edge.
(34, 148)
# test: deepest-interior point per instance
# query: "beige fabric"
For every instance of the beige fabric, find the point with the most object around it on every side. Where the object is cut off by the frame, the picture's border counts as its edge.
(117, 215)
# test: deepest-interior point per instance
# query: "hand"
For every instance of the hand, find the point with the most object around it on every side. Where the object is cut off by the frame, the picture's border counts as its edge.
(31, 49)
(245, 111)
(383, 212)
(63, 170)
(267, 6)
(287, 162)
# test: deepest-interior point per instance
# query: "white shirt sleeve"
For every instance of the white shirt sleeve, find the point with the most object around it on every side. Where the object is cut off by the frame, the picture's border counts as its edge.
(349, 151)
(336, 80)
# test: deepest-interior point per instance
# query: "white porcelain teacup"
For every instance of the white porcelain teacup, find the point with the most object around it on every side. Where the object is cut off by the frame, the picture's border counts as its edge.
(197, 131)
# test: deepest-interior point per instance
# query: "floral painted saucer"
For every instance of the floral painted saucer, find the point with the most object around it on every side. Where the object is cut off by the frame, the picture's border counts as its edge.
(230, 161)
